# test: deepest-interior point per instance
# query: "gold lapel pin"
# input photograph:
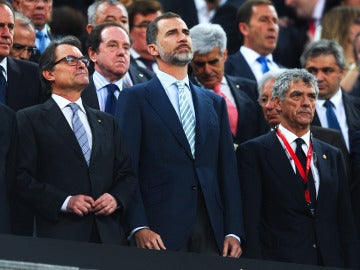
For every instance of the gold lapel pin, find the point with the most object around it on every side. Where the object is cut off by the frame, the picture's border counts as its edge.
(324, 156)
(99, 120)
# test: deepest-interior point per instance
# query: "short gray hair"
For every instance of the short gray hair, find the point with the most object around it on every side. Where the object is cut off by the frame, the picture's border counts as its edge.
(272, 74)
(289, 76)
(91, 12)
(24, 21)
(324, 47)
(205, 37)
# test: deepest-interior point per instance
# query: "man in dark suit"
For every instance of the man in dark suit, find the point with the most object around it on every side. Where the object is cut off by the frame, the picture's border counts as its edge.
(295, 194)
(257, 22)
(141, 13)
(22, 88)
(355, 166)
(325, 60)
(109, 50)
(330, 136)
(210, 53)
(85, 179)
(179, 136)
(8, 136)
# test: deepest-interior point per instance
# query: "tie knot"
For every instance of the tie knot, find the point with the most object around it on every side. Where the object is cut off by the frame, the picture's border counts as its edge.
(217, 88)
(39, 34)
(74, 107)
(328, 104)
(112, 87)
(262, 60)
(299, 142)
(180, 85)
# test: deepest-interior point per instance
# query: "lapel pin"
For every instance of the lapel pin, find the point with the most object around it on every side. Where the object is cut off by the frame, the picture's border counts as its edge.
(324, 156)
(141, 75)
(238, 86)
(99, 120)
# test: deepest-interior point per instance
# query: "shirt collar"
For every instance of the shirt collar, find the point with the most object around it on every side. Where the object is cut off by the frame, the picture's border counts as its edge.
(166, 80)
(335, 99)
(63, 102)
(251, 56)
(318, 10)
(291, 137)
(100, 81)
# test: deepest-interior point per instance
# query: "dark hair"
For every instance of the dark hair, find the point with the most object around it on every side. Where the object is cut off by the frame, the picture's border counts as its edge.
(94, 39)
(153, 30)
(245, 11)
(324, 47)
(48, 58)
(143, 7)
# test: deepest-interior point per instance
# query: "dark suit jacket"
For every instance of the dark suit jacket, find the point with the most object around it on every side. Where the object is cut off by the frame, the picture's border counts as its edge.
(51, 167)
(251, 122)
(8, 136)
(277, 223)
(236, 65)
(352, 111)
(355, 169)
(137, 75)
(169, 177)
(24, 89)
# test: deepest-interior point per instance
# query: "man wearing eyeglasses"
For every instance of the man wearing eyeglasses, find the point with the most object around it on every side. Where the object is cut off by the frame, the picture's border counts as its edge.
(141, 13)
(73, 169)
(39, 12)
(24, 38)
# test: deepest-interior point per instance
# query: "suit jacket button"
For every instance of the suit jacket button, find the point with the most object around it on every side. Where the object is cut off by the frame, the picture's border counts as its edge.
(314, 245)
(194, 187)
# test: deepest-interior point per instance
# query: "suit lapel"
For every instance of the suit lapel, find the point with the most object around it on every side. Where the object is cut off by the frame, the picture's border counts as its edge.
(96, 125)
(57, 121)
(280, 163)
(159, 101)
(204, 116)
(89, 95)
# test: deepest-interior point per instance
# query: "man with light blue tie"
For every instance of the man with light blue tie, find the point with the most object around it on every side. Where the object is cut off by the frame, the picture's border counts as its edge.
(259, 29)
(74, 171)
(334, 108)
(39, 12)
(188, 198)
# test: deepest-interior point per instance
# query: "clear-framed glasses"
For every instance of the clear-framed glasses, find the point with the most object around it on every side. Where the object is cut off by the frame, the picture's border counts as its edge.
(73, 60)
(20, 48)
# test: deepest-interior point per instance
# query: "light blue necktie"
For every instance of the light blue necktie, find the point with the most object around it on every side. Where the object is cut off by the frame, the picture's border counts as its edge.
(3, 86)
(186, 116)
(263, 61)
(80, 132)
(331, 116)
(41, 37)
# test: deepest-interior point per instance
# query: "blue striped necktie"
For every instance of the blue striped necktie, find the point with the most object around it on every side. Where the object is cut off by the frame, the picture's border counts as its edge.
(186, 116)
(3, 86)
(42, 44)
(80, 132)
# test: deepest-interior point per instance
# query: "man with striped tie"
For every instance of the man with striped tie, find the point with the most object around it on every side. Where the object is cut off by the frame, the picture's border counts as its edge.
(73, 169)
(179, 136)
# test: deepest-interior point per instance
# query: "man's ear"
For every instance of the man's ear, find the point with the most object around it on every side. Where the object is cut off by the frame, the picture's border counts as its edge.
(243, 28)
(92, 55)
(89, 28)
(153, 50)
(48, 75)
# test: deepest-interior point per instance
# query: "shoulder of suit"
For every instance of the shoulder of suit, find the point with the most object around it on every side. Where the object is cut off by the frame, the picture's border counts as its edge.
(23, 63)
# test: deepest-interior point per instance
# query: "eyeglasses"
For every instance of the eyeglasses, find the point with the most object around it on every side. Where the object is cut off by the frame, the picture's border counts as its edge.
(21, 48)
(143, 24)
(73, 60)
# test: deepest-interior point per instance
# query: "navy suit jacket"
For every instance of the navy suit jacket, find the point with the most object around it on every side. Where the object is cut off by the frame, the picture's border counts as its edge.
(277, 223)
(24, 89)
(8, 136)
(236, 65)
(51, 166)
(137, 75)
(169, 177)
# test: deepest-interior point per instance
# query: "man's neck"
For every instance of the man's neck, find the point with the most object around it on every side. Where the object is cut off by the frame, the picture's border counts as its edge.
(71, 95)
(178, 72)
